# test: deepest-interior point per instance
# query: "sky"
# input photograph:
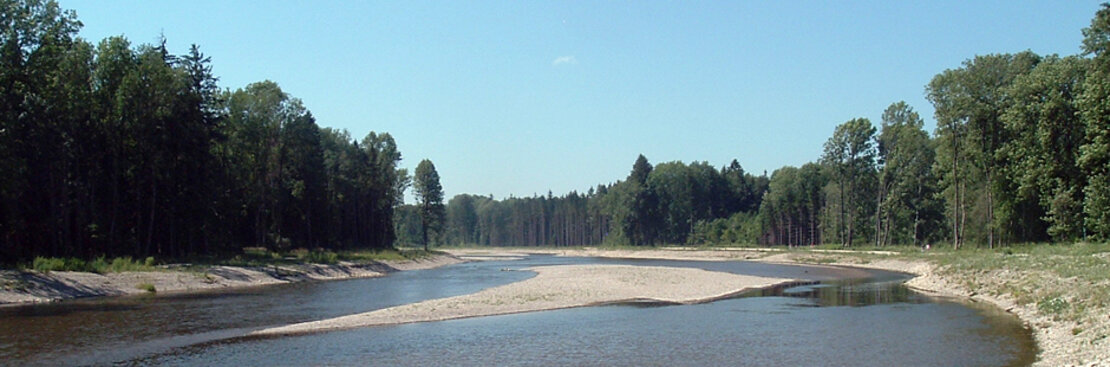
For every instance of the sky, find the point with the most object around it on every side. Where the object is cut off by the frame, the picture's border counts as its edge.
(519, 98)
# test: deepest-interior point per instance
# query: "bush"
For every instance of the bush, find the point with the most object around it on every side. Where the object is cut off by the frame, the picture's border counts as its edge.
(98, 265)
(45, 265)
(1052, 305)
(147, 287)
(320, 257)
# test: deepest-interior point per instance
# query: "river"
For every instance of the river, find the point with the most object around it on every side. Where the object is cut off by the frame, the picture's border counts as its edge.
(868, 319)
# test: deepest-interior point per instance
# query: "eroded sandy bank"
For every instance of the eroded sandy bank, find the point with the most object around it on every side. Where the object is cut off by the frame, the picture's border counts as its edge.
(32, 287)
(556, 287)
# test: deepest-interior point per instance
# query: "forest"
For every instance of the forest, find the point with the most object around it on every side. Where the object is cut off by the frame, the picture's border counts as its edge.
(1021, 153)
(114, 149)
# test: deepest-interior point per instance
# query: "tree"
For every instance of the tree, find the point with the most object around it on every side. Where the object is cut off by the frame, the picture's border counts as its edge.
(642, 221)
(1045, 181)
(850, 155)
(969, 104)
(429, 197)
(907, 208)
(462, 220)
(1094, 104)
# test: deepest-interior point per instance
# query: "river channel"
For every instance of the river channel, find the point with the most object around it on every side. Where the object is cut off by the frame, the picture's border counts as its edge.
(847, 317)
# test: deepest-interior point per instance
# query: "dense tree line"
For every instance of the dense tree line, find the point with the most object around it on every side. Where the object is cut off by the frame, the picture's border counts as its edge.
(654, 205)
(113, 149)
(1021, 153)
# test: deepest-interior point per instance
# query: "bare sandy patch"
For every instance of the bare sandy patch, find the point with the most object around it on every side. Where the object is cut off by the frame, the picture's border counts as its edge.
(556, 287)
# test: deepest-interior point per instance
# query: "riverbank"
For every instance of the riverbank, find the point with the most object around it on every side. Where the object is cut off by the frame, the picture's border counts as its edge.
(1065, 309)
(22, 287)
(556, 287)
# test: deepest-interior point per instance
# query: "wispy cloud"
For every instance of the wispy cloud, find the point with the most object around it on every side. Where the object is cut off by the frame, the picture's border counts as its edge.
(564, 60)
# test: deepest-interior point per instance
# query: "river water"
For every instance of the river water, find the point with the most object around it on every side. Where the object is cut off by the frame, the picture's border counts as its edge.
(848, 317)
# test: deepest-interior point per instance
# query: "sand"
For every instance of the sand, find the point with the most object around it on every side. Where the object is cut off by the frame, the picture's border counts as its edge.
(1058, 345)
(34, 287)
(556, 287)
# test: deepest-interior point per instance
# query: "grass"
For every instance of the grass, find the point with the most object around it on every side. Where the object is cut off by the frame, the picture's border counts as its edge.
(250, 257)
(1068, 282)
(146, 287)
(257, 256)
(99, 265)
(1065, 281)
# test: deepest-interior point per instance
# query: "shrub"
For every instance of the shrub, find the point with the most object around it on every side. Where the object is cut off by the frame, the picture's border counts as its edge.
(45, 264)
(147, 287)
(1052, 305)
(320, 257)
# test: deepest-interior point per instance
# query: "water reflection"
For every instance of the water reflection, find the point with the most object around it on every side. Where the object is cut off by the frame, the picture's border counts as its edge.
(851, 293)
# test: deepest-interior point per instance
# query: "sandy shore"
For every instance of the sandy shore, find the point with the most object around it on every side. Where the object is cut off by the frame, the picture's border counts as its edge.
(32, 287)
(556, 287)
(1059, 345)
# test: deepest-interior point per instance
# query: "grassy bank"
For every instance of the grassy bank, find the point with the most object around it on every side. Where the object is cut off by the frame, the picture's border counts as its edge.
(1061, 291)
(1065, 282)
(1069, 282)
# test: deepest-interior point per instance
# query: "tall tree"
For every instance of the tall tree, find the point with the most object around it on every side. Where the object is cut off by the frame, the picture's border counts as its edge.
(969, 104)
(1043, 153)
(642, 221)
(850, 155)
(1095, 106)
(429, 197)
(907, 210)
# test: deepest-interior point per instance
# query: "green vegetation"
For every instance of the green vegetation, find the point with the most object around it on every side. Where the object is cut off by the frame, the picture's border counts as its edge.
(1021, 154)
(99, 265)
(113, 149)
(260, 257)
(429, 198)
(1065, 281)
(146, 287)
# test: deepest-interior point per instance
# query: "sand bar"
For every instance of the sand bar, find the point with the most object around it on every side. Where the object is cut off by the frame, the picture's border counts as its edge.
(19, 287)
(555, 287)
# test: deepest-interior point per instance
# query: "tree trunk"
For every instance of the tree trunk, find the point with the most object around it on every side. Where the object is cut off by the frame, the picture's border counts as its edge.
(879, 216)
(990, 210)
(956, 202)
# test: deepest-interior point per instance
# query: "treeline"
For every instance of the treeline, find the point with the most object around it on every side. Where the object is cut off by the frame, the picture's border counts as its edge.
(1021, 153)
(660, 204)
(113, 149)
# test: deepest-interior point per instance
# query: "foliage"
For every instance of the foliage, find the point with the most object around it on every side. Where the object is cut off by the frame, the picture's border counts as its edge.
(146, 287)
(115, 150)
(99, 265)
(668, 203)
(121, 150)
(1094, 106)
(429, 198)
(908, 211)
(850, 159)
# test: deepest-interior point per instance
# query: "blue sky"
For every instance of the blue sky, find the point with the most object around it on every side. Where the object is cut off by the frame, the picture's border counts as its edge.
(522, 97)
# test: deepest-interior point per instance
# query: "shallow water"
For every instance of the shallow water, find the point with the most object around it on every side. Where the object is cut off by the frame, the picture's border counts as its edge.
(870, 319)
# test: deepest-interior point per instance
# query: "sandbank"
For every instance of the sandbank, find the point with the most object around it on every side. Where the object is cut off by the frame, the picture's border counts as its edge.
(19, 287)
(556, 287)
(1057, 339)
